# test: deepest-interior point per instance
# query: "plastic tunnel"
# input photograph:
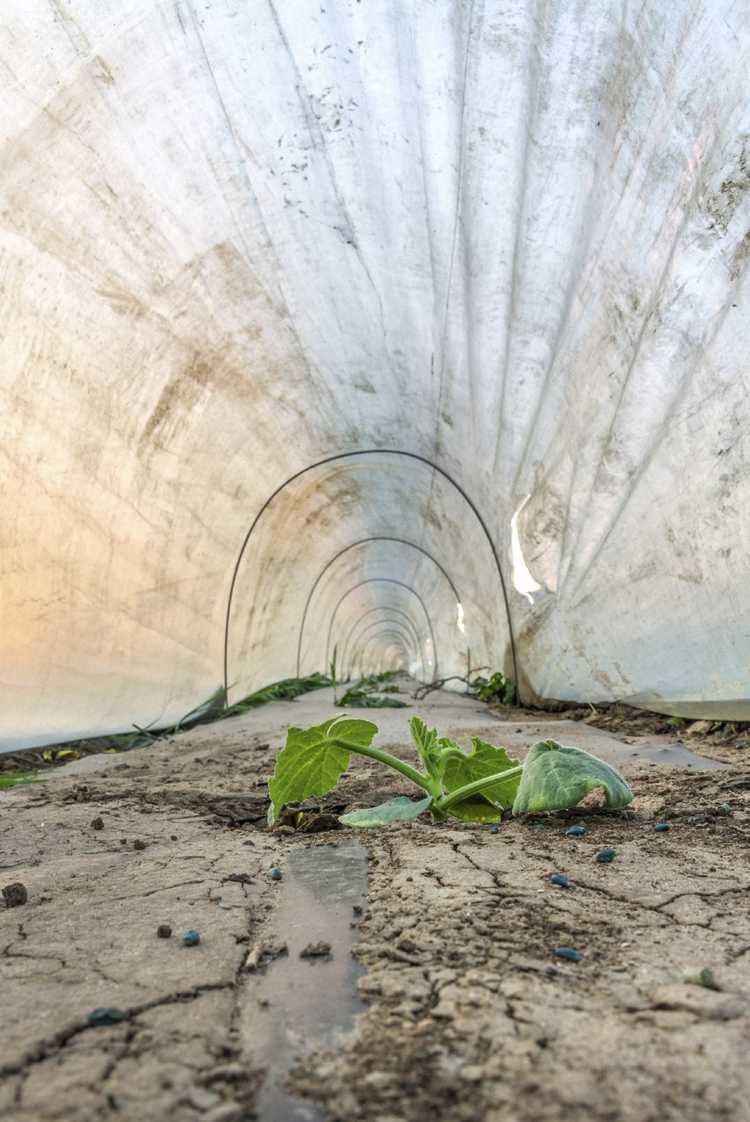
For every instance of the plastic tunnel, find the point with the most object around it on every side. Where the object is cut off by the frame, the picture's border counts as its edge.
(446, 301)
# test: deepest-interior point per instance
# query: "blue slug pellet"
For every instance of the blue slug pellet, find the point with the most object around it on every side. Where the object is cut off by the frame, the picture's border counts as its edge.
(276, 874)
(662, 827)
(604, 856)
(576, 831)
(560, 880)
(692, 820)
(568, 953)
(102, 1017)
(494, 829)
(191, 938)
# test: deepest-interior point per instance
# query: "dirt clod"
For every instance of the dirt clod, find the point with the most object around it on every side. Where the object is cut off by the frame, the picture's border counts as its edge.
(316, 950)
(15, 894)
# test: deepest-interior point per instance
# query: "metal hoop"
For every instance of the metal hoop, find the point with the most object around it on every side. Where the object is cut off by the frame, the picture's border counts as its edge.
(345, 456)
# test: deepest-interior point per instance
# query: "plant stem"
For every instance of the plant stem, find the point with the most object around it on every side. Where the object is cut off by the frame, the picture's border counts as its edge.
(417, 777)
(468, 789)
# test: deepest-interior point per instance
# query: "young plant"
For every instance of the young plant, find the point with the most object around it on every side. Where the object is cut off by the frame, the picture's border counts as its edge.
(16, 778)
(476, 786)
(497, 689)
(366, 693)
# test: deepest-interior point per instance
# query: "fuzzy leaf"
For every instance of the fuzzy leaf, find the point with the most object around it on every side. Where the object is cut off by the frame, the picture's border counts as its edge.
(310, 764)
(556, 777)
(399, 809)
(483, 760)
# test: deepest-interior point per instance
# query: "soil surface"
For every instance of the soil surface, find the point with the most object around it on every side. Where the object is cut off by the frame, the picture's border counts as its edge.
(470, 1014)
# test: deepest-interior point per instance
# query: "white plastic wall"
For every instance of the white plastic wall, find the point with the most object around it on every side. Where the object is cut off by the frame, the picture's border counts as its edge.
(237, 237)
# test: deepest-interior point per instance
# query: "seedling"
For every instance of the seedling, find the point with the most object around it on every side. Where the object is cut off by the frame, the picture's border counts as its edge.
(286, 690)
(497, 688)
(16, 778)
(476, 786)
(365, 694)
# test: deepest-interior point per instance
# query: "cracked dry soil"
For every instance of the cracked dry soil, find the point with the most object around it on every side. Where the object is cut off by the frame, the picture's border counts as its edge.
(470, 1016)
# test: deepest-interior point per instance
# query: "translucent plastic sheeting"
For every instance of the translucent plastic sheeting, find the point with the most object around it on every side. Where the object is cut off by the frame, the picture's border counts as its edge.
(236, 238)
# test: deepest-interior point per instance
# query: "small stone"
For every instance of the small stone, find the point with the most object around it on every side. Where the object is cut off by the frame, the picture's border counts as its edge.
(202, 1099)
(692, 820)
(164, 931)
(551, 971)
(662, 827)
(276, 874)
(700, 728)
(97, 823)
(227, 1112)
(316, 950)
(568, 953)
(357, 909)
(226, 1073)
(604, 856)
(705, 978)
(139, 843)
(15, 894)
(191, 938)
(560, 880)
(100, 1018)
(379, 1080)
(576, 831)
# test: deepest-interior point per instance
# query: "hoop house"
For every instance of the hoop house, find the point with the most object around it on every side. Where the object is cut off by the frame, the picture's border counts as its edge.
(499, 251)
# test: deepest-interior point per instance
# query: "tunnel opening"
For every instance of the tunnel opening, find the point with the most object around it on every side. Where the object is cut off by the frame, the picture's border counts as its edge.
(404, 456)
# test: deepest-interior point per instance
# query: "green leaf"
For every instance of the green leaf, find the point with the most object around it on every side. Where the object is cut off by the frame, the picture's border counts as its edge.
(399, 809)
(285, 690)
(498, 688)
(556, 777)
(310, 763)
(15, 778)
(484, 760)
(475, 809)
(356, 698)
(426, 741)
